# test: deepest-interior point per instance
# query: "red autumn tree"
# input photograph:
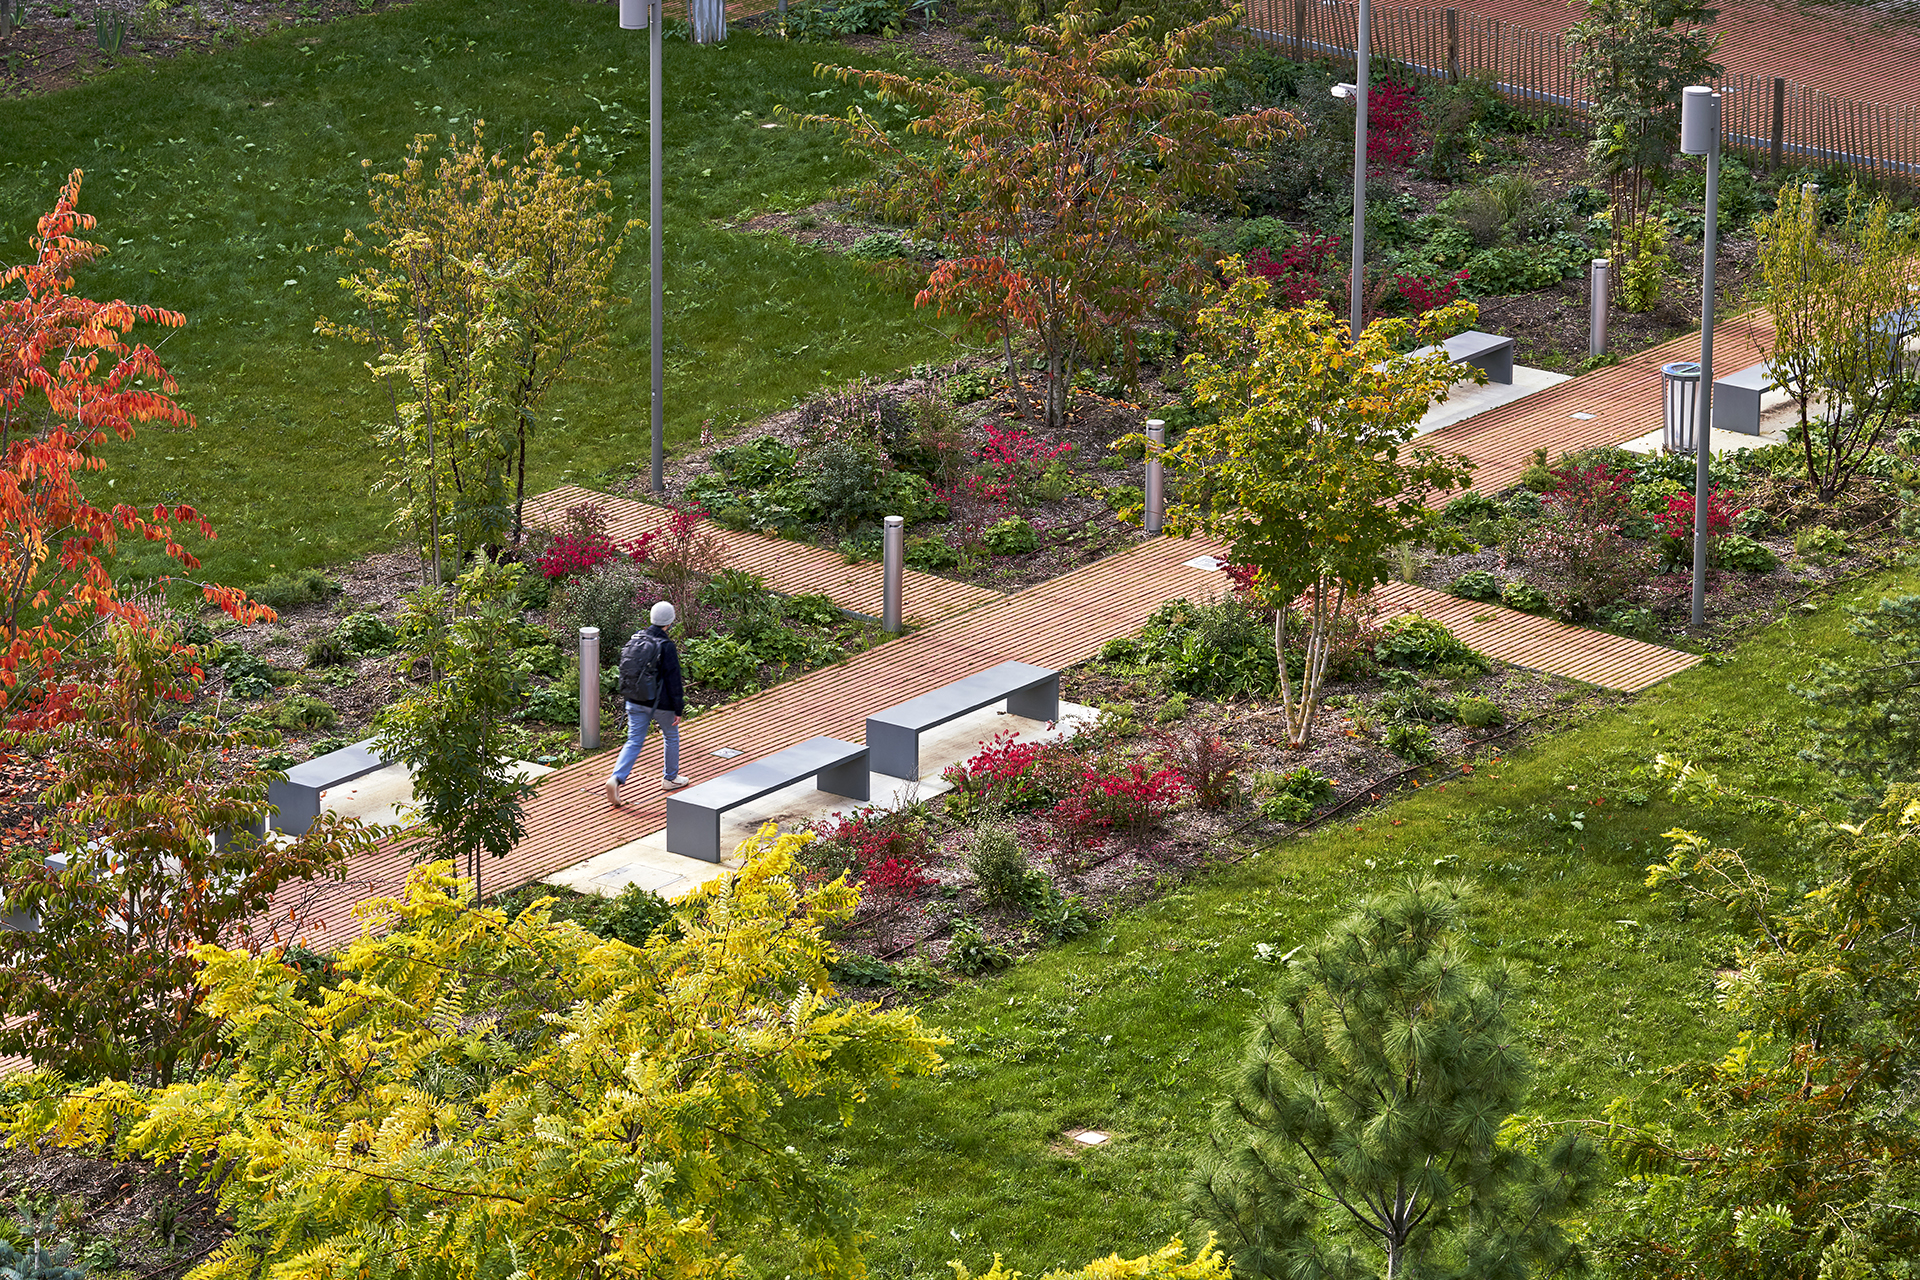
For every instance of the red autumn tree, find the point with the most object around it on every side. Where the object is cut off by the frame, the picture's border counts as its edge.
(71, 383)
(1062, 189)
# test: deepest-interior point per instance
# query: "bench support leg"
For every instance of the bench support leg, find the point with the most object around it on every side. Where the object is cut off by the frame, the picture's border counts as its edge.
(298, 806)
(693, 831)
(1037, 702)
(852, 780)
(893, 750)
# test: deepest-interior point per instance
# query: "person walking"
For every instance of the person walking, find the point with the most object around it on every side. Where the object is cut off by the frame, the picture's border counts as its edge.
(650, 682)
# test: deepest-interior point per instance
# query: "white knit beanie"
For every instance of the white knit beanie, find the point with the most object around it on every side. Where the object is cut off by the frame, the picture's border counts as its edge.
(662, 615)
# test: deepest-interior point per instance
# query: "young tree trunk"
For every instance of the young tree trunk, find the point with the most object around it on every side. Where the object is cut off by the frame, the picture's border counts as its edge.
(1013, 374)
(1328, 603)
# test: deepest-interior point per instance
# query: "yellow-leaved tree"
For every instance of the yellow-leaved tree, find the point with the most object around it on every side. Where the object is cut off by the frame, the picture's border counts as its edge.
(481, 281)
(472, 1096)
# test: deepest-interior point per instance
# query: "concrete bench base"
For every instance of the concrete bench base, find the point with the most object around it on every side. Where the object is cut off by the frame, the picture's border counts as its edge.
(693, 815)
(298, 798)
(894, 734)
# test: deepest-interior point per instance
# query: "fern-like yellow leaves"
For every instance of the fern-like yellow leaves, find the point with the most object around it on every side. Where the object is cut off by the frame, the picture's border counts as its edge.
(476, 1094)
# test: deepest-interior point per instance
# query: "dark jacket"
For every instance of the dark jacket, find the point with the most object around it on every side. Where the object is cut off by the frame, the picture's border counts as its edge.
(673, 693)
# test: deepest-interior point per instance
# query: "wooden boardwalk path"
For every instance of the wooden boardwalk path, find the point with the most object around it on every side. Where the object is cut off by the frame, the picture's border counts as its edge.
(1055, 624)
(790, 568)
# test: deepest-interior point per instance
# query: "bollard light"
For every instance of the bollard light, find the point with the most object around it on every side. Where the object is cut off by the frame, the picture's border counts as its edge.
(893, 560)
(1156, 513)
(1682, 380)
(589, 688)
(1598, 296)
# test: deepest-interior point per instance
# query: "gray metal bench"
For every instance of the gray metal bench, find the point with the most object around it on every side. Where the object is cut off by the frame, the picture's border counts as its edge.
(894, 734)
(693, 815)
(1736, 398)
(298, 798)
(1488, 352)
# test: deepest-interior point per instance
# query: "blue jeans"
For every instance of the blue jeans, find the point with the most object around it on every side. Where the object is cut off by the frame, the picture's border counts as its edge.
(639, 716)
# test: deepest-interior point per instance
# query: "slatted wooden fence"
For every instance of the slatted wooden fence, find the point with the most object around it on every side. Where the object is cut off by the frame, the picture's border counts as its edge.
(1768, 118)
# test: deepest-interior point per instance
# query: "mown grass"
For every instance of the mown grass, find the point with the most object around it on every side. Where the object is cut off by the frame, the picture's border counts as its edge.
(1131, 1029)
(224, 181)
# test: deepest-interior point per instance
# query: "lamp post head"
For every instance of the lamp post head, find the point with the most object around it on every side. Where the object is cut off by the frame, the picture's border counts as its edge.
(1699, 119)
(1345, 90)
(633, 14)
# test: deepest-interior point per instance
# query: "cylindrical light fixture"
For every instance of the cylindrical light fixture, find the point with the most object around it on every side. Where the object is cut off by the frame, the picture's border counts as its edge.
(1156, 513)
(633, 14)
(1597, 298)
(589, 688)
(893, 561)
(1682, 399)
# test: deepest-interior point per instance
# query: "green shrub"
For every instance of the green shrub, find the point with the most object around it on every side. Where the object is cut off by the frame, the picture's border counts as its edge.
(1421, 644)
(1410, 702)
(1820, 543)
(756, 463)
(1411, 742)
(607, 596)
(1524, 503)
(971, 952)
(879, 246)
(930, 555)
(1643, 277)
(247, 676)
(852, 969)
(964, 388)
(832, 19)
(1478, 713)
(722, 663)
(1738, 551)
(1471, 506)
(1285, 808)
(1477, 584)
(1123, 497)
(366, 633)
(1000, 870)
(1011, 537)
(298, 712)
(1511, 268)
(557, 703)
(848, 483)
(288, 590)
(736, 591)
(328, 651)
(812, 609)
(1525, 597)
(1304, 783)
(1174, 708)
(1062, 918)
(33, 1262)
(633, 917)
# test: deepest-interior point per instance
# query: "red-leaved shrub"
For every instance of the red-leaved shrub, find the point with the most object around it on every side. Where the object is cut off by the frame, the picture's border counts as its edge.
(582, 541)
(885, 850)
(1393, 123)
(1304, 271)
(1676, 522)
(1009, 775)
(1595, 492)
(1428, 293)
(1584, 567)
(1097, 803)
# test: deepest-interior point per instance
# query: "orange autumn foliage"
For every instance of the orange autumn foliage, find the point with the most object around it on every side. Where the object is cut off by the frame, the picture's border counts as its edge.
(70, 383)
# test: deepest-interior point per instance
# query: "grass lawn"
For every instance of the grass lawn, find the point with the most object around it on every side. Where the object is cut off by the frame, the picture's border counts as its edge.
(1130, 1029)
(222, 183)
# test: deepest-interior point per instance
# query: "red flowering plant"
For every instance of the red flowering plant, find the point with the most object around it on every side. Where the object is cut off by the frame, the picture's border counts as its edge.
(582, 542)
(1393, 124)
(1676, 524)
(1099, 803)
(1584, 566)
(1010, 776)
(885, 850)
(1422, 294)
(1594, 492)
(1304, 271)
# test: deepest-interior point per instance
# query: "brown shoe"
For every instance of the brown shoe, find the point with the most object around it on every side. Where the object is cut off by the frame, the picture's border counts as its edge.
(673, 784)
(613, 792)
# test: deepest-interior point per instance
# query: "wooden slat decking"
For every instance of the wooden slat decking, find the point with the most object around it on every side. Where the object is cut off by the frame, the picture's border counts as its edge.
(1540, 644)
(1624, 399)
(790, 568)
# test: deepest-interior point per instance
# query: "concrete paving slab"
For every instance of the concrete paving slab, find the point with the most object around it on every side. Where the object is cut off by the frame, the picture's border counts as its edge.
(1465, 400)
(385, 796)
(647, 863)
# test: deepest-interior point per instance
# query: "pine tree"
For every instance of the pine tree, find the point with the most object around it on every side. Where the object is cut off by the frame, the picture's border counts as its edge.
(1363, 1135)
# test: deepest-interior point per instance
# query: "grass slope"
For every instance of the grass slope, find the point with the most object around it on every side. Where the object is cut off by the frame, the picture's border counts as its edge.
(1131, 1029)
(222, 183)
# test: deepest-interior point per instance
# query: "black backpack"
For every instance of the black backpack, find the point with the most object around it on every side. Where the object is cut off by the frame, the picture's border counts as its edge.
(640, 668)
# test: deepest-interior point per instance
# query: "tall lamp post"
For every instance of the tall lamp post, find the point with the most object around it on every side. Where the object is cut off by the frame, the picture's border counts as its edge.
(635, 14)
(1700, 136)
(1363, 55)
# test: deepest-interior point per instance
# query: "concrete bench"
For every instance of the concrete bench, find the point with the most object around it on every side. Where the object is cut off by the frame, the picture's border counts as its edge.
(894, 734)
(1736, 398)
(298, 798)
(1488, 352)
(693, 815)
